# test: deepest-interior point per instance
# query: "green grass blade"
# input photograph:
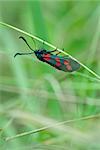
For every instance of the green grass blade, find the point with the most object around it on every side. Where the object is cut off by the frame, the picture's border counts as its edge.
(51, 126)
(48, 44)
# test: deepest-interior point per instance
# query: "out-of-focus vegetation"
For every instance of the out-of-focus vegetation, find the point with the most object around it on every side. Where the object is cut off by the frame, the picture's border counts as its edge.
(32, 93)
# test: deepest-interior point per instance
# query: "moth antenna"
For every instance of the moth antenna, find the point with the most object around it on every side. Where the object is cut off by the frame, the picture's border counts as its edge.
(21, 37)
(16, 54)
(23, 54)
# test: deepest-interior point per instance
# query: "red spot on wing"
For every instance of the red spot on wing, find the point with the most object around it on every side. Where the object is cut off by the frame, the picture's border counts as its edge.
(46, 57)
(67, 64)
(58, 62)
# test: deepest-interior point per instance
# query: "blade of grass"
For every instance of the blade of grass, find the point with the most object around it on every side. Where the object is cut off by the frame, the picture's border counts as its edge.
(86, 76)
(38, 19)
(48, 44)
(18, 70)
(51, 126)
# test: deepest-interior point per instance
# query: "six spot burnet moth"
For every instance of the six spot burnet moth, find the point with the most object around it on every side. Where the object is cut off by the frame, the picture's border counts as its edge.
(66, 63)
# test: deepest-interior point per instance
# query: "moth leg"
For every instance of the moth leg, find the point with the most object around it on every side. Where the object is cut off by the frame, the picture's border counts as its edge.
(34, 42)
(59, 52)
(55, 50)
(63, 49)
(52, 51)
(43, 44)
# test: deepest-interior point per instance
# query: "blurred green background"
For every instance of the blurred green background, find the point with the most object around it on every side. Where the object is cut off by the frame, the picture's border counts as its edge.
(34, 94)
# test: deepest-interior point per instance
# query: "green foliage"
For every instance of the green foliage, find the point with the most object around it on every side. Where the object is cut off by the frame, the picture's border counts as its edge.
(34, 95)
